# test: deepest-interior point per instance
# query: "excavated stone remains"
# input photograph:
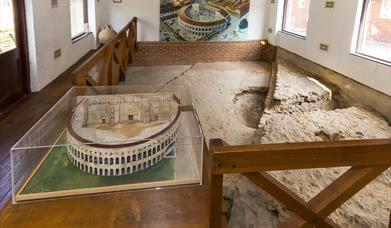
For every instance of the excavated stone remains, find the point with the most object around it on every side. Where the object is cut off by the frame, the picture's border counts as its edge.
(297, 108)
(302, 109)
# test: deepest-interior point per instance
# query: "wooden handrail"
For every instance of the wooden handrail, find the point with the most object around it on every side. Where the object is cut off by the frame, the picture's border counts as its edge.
(368, 159)
(108, 65)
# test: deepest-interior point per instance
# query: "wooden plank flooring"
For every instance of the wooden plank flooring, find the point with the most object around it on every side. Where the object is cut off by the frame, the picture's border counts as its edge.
(172, 207)
(22, 117)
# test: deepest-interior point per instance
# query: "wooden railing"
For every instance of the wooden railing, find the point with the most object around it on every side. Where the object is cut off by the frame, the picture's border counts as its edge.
(108, 65)
(367, 159)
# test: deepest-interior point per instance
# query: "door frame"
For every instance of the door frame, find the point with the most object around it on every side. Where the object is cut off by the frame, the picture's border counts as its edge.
(21, 31)
(22, 45)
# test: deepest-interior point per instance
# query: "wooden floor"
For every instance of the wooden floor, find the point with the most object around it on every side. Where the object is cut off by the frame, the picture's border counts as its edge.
(173, 207)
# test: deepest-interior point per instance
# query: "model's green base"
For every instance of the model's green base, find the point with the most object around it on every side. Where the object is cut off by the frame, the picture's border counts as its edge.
(57, 173)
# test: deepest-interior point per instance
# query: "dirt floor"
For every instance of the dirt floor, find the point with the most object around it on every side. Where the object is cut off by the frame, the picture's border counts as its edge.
(234, 104)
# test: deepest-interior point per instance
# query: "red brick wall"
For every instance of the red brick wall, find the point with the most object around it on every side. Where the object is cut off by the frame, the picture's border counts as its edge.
(300, 13)
(171, 53)
(379, 28)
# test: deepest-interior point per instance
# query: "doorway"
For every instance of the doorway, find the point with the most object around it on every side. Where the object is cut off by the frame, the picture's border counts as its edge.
(14, 73)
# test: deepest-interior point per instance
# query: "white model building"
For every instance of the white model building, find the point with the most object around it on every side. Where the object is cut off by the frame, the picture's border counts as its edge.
(203, 20)
(114, 135)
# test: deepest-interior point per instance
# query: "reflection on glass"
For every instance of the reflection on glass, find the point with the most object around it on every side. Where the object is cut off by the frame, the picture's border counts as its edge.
(375, 35)
(7, 29)
(106, 139)
(296, 16)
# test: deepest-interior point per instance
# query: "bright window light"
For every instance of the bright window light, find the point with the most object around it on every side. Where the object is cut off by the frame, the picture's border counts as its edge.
(296, 17)
(374, 39)
(7, 29)
(78, 17)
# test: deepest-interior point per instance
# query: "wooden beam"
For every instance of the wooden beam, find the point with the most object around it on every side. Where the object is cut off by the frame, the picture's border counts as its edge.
(288, 198)
(269, 157)
(337, 193)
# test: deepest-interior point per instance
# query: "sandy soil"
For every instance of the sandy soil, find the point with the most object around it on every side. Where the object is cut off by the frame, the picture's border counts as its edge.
(227, 97)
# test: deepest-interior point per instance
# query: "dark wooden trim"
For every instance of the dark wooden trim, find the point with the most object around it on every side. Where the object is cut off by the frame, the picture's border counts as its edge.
(21, 30)
(23, 60)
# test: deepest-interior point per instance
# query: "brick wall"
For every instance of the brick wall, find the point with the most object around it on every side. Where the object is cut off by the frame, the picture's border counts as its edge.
(171, 53)
(379, 26)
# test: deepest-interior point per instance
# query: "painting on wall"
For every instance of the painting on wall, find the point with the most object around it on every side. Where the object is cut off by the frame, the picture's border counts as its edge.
(204, 20)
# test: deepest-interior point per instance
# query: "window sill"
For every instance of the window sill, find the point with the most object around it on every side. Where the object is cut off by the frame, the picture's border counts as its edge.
(80, 37)
(293, 34)
(373, 59)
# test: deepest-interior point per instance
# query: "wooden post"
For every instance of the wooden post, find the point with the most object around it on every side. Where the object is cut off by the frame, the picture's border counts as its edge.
(135, 34)
(216, 189)
(389, 223)
(79, 79)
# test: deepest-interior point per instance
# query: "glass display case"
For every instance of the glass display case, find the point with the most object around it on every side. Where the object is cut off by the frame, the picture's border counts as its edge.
(107, 139)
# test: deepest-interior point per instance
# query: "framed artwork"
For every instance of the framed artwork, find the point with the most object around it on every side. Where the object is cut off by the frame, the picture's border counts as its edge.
(204, 20)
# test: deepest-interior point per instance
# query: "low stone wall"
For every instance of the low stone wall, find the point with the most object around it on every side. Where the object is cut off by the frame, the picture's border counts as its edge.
(177, 53)
(351, 91)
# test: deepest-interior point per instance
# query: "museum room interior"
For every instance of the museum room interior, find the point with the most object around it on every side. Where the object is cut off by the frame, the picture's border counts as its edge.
(195, 113)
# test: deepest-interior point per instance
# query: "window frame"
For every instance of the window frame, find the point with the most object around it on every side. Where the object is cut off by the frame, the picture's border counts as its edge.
(85, 15)
(284, 18)
(360, 36)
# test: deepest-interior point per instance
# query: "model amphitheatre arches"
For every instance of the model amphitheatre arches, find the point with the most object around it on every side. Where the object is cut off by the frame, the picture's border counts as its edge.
(122, 134)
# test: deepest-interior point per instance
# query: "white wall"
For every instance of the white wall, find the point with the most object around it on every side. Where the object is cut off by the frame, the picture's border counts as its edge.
(334, 27)
(48, 30)
(147, 12)
(258, 19)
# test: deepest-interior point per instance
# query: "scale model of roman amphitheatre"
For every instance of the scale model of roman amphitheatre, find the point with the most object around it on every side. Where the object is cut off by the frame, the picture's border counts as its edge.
(122, 134)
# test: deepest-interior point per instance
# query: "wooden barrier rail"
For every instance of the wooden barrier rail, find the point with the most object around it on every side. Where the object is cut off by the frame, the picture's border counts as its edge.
(367, 159)
(108, 65)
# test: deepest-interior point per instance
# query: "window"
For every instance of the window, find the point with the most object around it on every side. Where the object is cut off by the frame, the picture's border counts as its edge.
(79, 17)
(296, 17)
(302, 4)
(7, 28)
(385, 10)
(374, 38)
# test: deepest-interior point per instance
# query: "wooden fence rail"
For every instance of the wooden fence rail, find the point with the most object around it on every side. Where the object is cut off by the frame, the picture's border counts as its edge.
(367, 159)
(108, 65)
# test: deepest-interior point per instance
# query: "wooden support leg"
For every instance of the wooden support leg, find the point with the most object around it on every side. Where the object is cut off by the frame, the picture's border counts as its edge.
(216, 189)
(216, 201)
(288, 198)
(338, 192)
(389, 223)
